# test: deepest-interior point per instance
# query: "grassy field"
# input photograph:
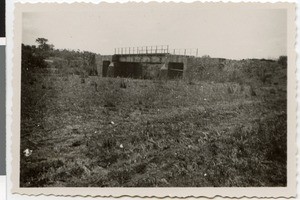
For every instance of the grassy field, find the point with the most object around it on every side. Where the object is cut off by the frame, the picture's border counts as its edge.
(114, 132)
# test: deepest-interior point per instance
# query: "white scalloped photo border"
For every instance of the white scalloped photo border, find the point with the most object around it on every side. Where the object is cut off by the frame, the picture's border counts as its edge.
(13, 120)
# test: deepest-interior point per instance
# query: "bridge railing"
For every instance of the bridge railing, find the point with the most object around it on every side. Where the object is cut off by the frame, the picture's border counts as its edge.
(185, 52)
(142, 50)
(158, 49)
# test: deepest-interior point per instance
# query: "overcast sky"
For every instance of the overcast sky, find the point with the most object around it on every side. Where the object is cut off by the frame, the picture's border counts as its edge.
(228, 33)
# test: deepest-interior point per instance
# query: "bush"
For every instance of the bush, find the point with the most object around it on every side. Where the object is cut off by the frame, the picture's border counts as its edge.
(31, 58)
(282, 60)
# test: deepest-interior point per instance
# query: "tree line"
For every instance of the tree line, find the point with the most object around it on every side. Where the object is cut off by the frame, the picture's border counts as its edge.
(44, 55)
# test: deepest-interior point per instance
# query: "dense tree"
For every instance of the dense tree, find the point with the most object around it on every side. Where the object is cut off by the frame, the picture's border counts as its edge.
(46, 49)
(31, 58)
(42, 44)
(283, 60)
(66, 60)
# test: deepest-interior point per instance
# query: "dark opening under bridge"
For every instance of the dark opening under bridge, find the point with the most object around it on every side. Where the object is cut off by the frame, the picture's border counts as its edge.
(144, 62)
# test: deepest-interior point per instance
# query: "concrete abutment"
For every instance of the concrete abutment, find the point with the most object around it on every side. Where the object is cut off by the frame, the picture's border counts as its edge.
(144, 66)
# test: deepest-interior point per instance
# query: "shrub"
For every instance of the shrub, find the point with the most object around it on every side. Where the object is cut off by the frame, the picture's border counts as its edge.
(282, 60)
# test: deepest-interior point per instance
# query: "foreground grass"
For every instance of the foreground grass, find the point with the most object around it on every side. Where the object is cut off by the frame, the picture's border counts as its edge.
(139, 133)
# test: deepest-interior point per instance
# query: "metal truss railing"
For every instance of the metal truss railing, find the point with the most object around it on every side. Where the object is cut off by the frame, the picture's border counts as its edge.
(143, 50)
(158, 49)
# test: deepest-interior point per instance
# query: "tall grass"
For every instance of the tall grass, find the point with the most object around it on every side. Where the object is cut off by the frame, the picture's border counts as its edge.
(147, 133)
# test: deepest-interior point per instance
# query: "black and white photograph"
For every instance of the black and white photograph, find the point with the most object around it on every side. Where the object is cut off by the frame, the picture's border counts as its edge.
(154, 95)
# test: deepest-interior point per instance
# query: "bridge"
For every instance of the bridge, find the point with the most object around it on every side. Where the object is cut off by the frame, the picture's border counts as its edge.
(144, 62)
